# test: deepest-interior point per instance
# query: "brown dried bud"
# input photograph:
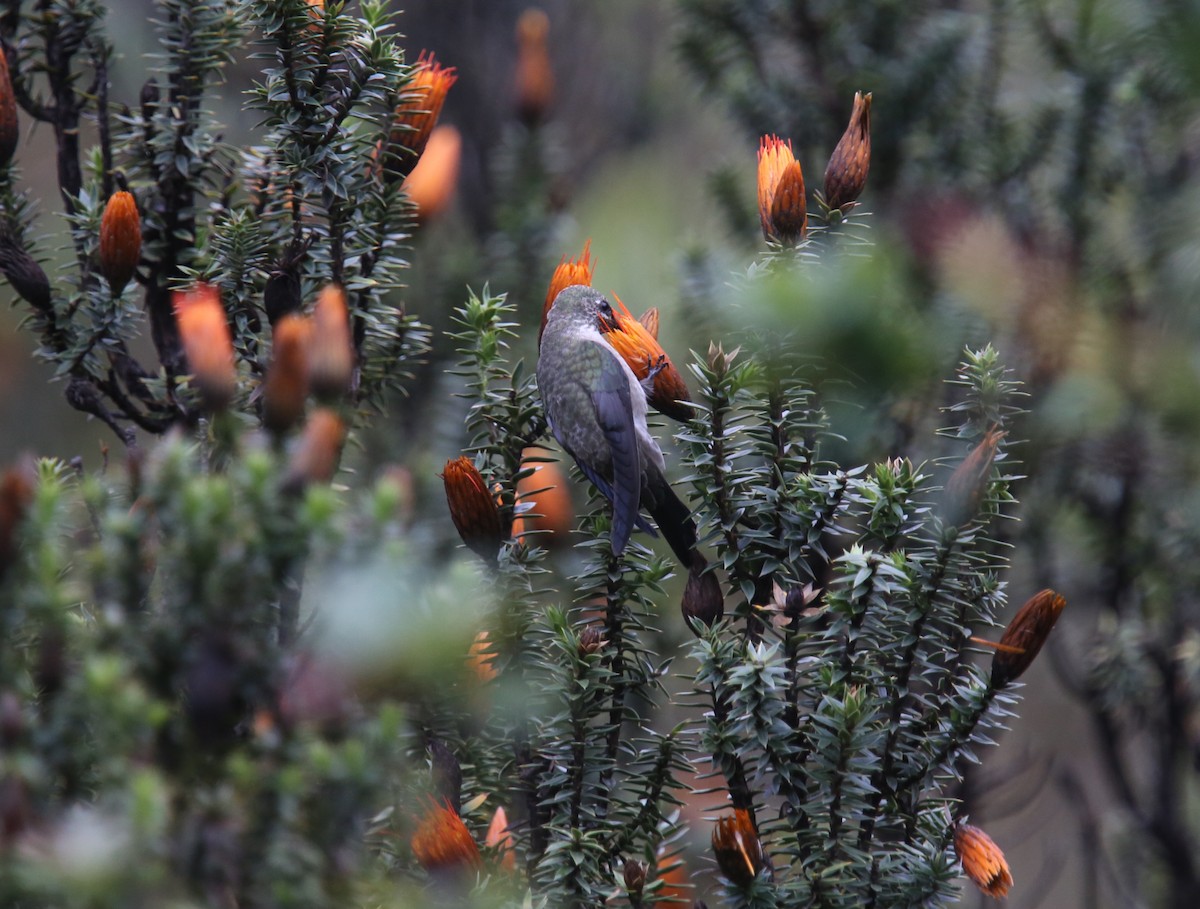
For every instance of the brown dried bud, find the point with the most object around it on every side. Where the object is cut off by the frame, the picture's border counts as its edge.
(649, 319)
(10, 127)
(281, 296)
(969, 483)
(12, 720)
(286, 386)
(567, 273)
(1024, 636)
(982, 861)
(534, 81)
(737, 847)
(16, 494)
(316, 456)
(331, 353)
(204, 330)
(24, 274)
(16, 812)
(634, 873)
(120, 240)
(703, 603)
(473, 508)
(846, 173)
(591, 640)
(442, 842)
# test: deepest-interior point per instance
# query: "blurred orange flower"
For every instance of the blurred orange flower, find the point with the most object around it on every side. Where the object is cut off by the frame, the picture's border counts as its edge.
(982, 861)
(481, 659)
(207, 344)
(331, 352)
(546, 491)
(500, 838)
(534, 80)
(315, 458)
(782, 207)
(432, 183)
(286, 385)
(567, 273)
(443, 843)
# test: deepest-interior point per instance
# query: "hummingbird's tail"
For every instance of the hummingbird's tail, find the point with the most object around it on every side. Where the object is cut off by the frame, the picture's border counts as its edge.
(672, 516)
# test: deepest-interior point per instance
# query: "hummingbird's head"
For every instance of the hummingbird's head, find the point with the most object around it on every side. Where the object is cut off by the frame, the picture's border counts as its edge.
(583, 307)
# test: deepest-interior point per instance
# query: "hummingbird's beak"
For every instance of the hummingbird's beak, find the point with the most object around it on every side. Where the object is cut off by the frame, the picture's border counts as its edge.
(608, 321)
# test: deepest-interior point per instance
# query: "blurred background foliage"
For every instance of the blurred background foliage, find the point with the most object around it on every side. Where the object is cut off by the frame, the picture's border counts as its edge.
(1032, 185)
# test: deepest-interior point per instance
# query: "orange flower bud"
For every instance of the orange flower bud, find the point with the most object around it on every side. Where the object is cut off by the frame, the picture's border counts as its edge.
(331, 353)
(982, 861)
(1024, 636)
(10, 127)
(286, 385)
(204, 330)
(737, 847)
(846, 173)
(567, 273)
(443, 843)
(782, 208)
(968, 484)
(546, 490)
(473, 508)
(315, 458)
(481, 660)
(432, 182)
(500, 838)
(644, 355)
(534, 82)
(416, 115)
(120, 240)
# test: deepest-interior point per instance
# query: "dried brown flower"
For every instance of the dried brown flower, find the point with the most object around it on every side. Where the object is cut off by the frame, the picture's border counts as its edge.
(634, 874)
(204, 330)
(473, 508)
(591, 640)
(1024, 636)
(703, 603)
(982, 861)
(846, 173)
(737, 847)
(968, 484)
(16, 495)
(24, 274)
(10, 127)
(120, 240)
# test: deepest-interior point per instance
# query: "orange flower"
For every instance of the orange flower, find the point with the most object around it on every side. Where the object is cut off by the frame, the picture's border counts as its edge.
(10, 127)
(982, 861)
(846, 173)
(782, 208)
(443, 843)
(204, 330)
(534, 82)
(642, 352)
(1024, 636)
(967, 485)
(316, 456)
(432, 182)
(546, 491)
(500, 838)
(473, 508)
(737, 847)
(416, 115)
(120, 240)
(331, 353)
(567, 273)
(286, 385)
(481, 660)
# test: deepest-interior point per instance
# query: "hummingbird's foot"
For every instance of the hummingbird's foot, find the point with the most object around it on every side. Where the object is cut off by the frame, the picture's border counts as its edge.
(655, 367)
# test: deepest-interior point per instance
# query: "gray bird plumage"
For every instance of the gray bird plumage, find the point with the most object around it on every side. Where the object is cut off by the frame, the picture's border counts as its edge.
(597, 411)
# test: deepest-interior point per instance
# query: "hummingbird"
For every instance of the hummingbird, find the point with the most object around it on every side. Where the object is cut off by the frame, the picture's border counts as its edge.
(596, 408)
